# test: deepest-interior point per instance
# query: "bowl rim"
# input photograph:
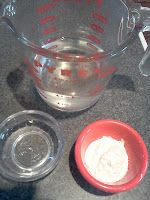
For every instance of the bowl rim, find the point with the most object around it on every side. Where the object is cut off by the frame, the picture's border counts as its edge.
(61, 141)
(100, 185)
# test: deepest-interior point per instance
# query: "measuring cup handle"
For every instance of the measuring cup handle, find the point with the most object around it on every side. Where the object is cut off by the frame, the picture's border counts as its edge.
(4, 20)
(144, 65)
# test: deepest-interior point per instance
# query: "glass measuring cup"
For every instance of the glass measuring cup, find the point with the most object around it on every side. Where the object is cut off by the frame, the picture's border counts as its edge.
(74, 46)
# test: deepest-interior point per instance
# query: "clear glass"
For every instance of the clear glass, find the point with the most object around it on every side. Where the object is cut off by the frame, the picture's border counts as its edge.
(31, 144)
(74, 46)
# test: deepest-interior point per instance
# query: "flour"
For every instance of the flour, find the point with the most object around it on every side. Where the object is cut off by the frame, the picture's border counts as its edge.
(106, 159)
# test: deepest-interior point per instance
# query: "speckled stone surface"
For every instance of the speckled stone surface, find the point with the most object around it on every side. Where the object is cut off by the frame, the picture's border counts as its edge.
(127, 98)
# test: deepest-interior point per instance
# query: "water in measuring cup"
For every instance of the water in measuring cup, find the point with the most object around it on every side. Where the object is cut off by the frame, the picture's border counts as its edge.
(68, 86)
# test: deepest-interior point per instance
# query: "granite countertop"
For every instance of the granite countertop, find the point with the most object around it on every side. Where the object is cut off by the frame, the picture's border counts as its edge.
(127, 98)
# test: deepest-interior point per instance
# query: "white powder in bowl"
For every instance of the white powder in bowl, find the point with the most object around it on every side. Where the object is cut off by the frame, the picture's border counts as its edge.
(106, 159)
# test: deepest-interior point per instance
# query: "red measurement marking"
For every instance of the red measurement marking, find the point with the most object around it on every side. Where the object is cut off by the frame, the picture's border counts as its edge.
(96, 90)
(97, 28)
(97, 70)
(49, 30)
(67, 57)
(82, 73)
(78, 1)
(91, 46)
(53, 47)
(89, 1)
(98, 55)
(81, 58)
(33, 69)
(51, 40)
(93, 38)
(99, 2)
(44, 8)
(27, 62)
(32, 73)
(37, 64)
(45, 20)
(51, 69)
(100, 17)
(40, 51)
(106, 71)
(66, 72)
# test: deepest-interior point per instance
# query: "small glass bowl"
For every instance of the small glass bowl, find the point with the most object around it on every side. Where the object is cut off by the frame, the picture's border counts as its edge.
(31, 144)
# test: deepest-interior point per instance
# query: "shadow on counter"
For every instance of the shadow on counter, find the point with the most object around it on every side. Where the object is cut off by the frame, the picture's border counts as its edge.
(123, 82)
(80, 180)
(20, 192)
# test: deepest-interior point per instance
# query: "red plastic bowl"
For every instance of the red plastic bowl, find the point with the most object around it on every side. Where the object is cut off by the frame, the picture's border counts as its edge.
(135, 147)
